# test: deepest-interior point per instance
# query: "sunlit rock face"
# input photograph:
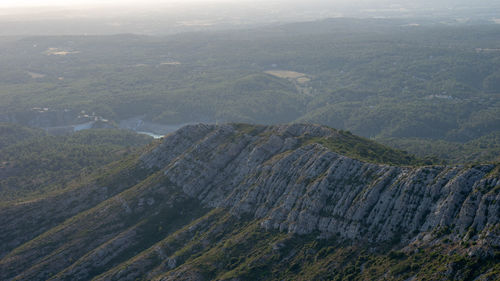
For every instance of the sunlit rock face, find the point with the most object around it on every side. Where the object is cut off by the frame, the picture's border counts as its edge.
(134, 219)
(301, 188)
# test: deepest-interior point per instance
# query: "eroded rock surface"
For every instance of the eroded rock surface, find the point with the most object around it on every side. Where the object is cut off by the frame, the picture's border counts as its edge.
(299, 188)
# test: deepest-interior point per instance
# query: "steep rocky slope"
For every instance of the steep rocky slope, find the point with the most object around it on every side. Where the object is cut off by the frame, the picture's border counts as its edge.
(301, 188)
(266, 202)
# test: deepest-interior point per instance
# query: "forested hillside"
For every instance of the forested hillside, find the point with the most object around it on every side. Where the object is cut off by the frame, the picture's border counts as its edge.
(249, 140)
(33, 164)
(245, 202)
(406, 83)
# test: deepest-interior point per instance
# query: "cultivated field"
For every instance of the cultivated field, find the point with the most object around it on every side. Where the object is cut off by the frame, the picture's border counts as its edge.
(291, 75)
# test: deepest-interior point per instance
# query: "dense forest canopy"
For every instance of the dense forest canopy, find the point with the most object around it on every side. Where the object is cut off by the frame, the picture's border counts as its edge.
(251, 140)
(403, 82)
(34, 163)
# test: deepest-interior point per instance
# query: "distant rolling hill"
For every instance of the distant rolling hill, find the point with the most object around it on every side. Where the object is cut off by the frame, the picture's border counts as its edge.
(425, 86)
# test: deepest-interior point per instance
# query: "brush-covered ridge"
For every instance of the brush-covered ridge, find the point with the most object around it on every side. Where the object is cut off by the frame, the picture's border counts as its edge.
(239, 202)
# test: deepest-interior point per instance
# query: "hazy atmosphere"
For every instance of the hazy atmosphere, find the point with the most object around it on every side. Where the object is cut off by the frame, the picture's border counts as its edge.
(170, 16)
(250, 140)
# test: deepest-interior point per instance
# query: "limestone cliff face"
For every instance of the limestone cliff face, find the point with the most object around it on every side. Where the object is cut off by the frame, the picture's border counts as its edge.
(300, 188)
(205, 189)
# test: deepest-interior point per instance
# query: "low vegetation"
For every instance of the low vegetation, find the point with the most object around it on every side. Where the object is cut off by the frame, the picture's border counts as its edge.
(425, 89)
(35, 163)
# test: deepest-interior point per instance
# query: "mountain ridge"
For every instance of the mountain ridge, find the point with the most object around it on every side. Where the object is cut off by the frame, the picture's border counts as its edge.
(385, 176)
(206, 185)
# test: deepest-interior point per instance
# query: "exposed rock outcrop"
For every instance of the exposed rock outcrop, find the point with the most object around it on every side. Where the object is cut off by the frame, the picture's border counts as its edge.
(206, 188)
(298, 188)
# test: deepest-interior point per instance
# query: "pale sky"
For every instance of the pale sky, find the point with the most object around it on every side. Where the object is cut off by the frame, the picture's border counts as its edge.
(38, 3)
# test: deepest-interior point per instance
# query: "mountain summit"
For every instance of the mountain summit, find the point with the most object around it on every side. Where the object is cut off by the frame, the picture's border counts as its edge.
(246, 202)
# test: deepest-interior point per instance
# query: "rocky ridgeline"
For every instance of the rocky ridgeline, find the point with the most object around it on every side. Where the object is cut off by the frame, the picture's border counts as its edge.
(272, 174)
(151, 217)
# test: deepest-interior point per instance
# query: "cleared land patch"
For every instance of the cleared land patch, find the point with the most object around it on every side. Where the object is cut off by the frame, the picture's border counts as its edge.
(170, 63)
(59, 52)
(299, 79)
(287, 74)
(35, 75)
